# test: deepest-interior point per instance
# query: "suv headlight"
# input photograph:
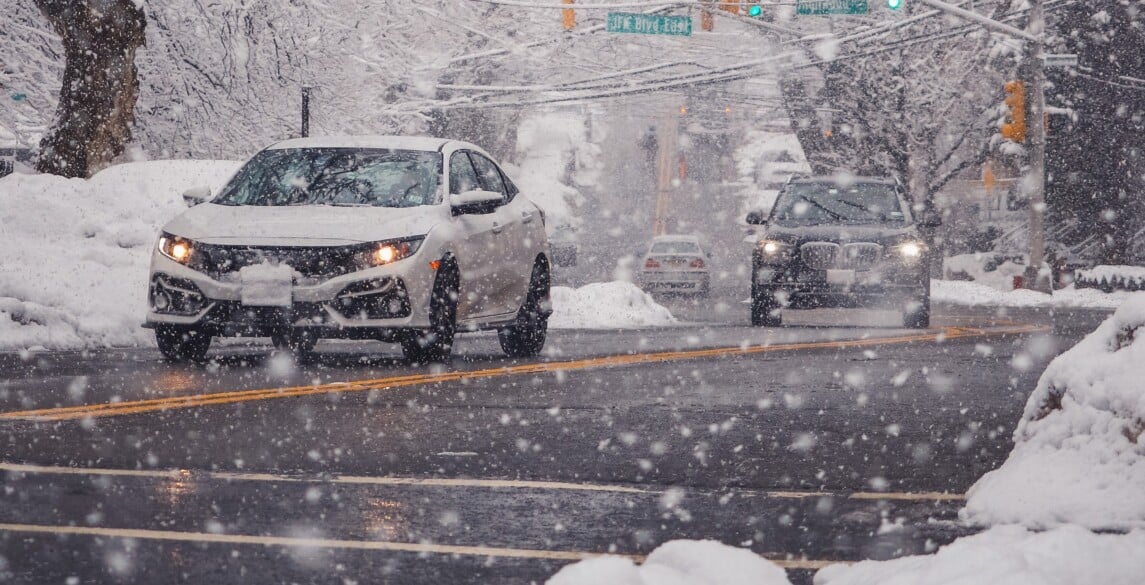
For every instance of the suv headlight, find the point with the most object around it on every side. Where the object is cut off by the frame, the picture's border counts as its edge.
(773, 249)
(176, 248)
(911, 250)
(388, 252)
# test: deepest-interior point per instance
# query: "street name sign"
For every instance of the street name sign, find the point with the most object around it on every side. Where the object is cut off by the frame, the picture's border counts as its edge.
(1060, 60)
(819, 7)
(649, 24)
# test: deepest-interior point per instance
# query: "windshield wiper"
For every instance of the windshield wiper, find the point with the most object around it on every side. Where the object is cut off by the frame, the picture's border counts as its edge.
(820, 206)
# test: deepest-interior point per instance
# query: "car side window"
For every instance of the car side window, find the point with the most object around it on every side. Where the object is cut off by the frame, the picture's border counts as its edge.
(489, 175)
(462, 177)
(511, 190)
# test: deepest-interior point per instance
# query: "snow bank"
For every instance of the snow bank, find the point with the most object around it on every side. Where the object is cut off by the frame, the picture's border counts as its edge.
(1009, 554)
(606, 305)
(994, 270)
(960, 292)
(76, 251)
(679, 562)
(1079, 453)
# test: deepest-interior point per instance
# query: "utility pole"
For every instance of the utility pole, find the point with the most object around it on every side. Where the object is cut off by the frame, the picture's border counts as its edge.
(1036, 130)
(305, 112)
(667, 135)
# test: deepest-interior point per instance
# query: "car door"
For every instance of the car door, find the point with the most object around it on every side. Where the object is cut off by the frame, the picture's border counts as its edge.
(506, 289)
(475, 244)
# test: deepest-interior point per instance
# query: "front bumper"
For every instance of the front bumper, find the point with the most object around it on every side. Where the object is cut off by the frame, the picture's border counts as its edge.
(887, 284)
(374, 303)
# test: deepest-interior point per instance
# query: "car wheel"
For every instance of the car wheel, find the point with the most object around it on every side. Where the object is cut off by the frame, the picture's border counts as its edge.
(918, 315)
(297, 341)
(527, 336)
(436, 343)
(764, 308)
(179, 344)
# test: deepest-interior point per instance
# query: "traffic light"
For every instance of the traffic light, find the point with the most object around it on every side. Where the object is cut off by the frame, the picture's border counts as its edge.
(731, 6)
(1015, 127)
(754, 10)
(568, 16)
(894, 4)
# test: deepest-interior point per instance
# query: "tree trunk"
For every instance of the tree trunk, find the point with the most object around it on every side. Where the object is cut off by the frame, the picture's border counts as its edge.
(100, 87)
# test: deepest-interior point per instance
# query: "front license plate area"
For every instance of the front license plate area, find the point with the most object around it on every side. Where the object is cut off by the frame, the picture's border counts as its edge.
(840, 277)
(267, 285)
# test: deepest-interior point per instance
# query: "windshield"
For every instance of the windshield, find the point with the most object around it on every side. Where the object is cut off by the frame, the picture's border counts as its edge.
(675, 248)
(336, 176)
(818, 203)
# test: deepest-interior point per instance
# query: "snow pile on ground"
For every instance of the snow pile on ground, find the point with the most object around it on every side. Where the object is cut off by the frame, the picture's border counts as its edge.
(959, 292)
(1079, 453)
(994, 270)
(606, 305)
(77, 251)
(1009, 554)
(679, 562)
(549, 147)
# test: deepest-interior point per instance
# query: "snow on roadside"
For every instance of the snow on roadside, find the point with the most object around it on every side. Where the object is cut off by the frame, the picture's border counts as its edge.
(1079, 453)
(960, 292)
(76, 251)
(1009, 554)
(606, 305)
(678, 562)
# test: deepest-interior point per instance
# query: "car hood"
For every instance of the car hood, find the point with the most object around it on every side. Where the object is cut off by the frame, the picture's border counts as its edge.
(841, 233)
(301, 225)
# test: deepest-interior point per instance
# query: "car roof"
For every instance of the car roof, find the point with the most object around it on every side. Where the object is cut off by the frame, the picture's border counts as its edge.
(841, 179)
(424, 143)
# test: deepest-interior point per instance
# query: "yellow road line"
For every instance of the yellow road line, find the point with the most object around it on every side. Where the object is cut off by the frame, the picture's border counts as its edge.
(230, 397)
(286, 541)
(184, 474)
(374, 545)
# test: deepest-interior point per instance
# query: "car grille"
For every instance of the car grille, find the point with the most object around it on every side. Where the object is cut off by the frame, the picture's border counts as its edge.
(311, 262)
(828, 255)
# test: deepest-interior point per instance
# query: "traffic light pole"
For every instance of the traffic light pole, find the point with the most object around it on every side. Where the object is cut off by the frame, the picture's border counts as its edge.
(1035, 124)
(1036, 130)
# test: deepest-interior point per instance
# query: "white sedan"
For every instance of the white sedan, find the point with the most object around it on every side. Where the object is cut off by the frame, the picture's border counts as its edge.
(392, 238)
(675, 264)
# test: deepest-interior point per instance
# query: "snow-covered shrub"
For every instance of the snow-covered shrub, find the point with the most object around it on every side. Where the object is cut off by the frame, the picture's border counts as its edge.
(1079, 453)
(1111, 278)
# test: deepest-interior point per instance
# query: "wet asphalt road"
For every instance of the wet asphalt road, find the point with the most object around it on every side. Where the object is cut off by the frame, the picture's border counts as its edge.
(837, 438)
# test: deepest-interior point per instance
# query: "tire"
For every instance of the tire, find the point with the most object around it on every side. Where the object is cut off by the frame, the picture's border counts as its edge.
(179, 344)
(919, 317)
(526, 337)
(764, 308)
(436, 343)
(300, 342)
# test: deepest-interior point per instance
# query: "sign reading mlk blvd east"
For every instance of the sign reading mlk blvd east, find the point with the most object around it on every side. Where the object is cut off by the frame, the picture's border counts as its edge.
(816, 7)
(649, 24)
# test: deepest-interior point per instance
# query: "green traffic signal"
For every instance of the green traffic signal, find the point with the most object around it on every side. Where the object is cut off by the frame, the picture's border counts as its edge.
(755, 11)
(894, 4)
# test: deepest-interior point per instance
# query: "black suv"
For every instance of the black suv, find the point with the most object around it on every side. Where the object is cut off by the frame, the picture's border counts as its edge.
(835, 243)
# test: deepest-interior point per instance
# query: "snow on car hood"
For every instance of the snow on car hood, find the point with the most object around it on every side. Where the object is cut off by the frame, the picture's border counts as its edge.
(302, 224)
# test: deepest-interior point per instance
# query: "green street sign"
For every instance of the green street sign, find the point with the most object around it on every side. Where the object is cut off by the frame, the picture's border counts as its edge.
(649, 24)
(819, 7)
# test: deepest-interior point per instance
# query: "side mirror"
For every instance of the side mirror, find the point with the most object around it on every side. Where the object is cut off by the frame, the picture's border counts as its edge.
(196, 195)
(756, 218)
(476, 201)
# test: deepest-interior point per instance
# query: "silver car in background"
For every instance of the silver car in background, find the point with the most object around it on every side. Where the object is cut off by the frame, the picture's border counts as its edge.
(675, 264)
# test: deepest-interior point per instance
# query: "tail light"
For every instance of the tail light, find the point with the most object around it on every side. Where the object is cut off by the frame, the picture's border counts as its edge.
(651, 263)
(697, 263)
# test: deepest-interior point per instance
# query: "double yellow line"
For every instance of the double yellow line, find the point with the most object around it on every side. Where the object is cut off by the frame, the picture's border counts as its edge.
(215, 398)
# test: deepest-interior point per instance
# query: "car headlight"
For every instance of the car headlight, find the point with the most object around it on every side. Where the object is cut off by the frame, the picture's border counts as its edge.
(388, 252)
(176, 248)
(911, 250)
(772, 248)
